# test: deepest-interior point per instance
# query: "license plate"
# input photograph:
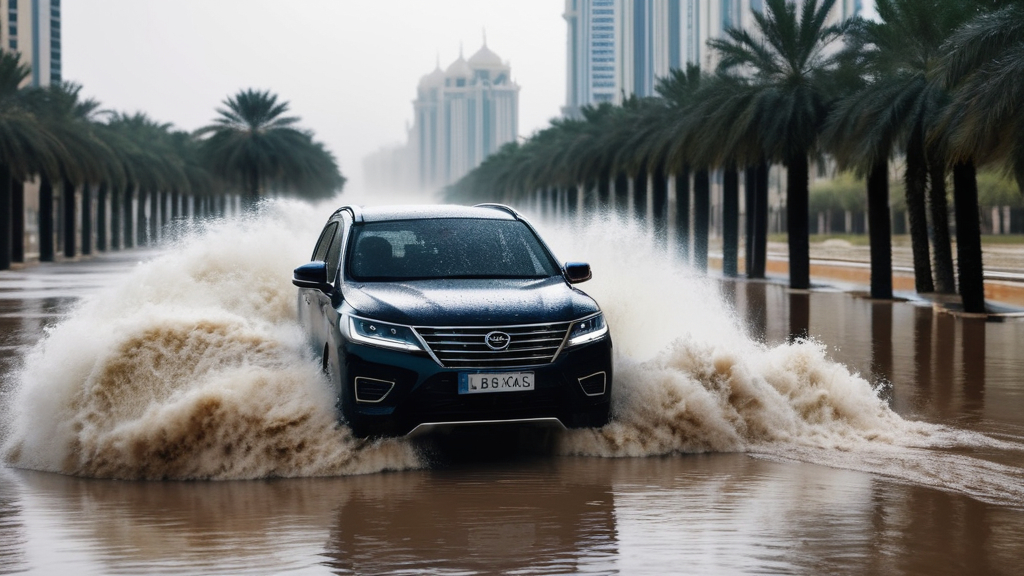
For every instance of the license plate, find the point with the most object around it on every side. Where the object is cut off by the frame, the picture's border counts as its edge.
(470, 383)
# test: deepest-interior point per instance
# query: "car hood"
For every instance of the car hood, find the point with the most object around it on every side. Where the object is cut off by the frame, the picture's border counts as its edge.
(469, 302)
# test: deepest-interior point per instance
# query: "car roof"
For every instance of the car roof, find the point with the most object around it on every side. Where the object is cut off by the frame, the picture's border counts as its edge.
(424, 211)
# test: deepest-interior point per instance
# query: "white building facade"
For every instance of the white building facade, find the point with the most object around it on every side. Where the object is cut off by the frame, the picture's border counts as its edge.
(462, 114)
(618, 48)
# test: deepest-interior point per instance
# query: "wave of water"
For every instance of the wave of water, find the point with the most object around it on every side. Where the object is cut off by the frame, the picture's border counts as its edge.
(689, 379)
(194, 367)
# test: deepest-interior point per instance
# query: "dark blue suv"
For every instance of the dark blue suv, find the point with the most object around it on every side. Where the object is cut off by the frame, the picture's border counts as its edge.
(436, 316)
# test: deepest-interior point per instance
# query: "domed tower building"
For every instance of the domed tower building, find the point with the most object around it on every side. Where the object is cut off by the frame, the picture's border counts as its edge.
(462, 115)
(426, 133)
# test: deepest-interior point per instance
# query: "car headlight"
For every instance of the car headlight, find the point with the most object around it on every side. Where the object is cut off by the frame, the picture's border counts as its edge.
(588, 330)
(383, 334)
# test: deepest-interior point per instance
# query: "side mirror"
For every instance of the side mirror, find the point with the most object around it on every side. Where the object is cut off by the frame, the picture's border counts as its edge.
(577, 272)
(312, 275)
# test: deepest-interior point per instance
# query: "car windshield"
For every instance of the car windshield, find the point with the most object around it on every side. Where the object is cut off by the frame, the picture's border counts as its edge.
(447, 248)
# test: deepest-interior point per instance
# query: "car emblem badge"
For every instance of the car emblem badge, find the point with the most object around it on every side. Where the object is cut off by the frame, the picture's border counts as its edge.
(497, 340)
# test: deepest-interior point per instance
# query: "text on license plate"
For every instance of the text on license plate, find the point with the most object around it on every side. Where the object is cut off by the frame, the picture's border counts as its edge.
(511, 382)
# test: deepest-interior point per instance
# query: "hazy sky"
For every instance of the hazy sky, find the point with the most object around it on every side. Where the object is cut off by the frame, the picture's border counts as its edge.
(348, 67)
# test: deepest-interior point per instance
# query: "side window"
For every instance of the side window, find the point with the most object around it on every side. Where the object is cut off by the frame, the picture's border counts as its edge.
(334, 252)
(323, 245)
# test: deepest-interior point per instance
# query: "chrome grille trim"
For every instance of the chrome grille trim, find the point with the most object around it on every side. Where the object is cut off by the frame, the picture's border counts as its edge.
(464, 346)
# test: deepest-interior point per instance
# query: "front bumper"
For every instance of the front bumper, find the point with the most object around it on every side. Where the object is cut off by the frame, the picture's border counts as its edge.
(425, 394)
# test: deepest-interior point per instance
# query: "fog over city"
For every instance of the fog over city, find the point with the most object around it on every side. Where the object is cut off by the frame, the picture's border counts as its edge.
(348, 68)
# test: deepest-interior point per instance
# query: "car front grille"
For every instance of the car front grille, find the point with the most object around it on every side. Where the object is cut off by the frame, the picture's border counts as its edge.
(466, 347)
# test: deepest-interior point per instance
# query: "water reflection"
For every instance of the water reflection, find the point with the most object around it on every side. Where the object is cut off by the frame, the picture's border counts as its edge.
(799, 315)
(551, 517)
(942, 368)
(881, 340)
(756, 310)
(12, 528)
(923, 326)
(723, 513)
(972, 365)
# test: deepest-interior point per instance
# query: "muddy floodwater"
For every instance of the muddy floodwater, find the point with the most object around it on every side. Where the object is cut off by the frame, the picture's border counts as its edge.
(164, 417)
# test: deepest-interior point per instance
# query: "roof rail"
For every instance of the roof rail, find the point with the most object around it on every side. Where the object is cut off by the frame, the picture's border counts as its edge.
(355, 211)
(502, 207)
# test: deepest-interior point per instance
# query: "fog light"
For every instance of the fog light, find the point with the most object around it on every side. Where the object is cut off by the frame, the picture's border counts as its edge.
(593, 385)
(372, 390)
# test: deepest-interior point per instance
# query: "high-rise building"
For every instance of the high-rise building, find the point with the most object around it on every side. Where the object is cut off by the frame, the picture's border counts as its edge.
(462, 114)
(617, 48)
(32, 29)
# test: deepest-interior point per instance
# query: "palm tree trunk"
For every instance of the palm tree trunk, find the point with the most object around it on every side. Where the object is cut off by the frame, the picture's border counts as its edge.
(47, 250)
(6, 218)
(116, 218)
(945, 282)
(67, 200)
(165, 209)
(18, 220)
(155, 214)
(968, 237)
(749, 188)
(880, 229)
(683, 212)
(102, 217)
(730, 221)
(129, 217)
(86, 219)
(915, 180)
(141, 222)
(797, 224)
(760, 227)
(640, 196)
(253, 196)
(621, 193)
(659, 196)
(603, 190)
(701, 218)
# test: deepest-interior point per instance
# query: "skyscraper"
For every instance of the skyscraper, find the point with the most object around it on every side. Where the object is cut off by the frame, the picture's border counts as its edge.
(617, 48)
(462, 114)
(32, 28)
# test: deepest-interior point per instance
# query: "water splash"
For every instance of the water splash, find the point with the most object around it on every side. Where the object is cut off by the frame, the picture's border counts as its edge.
(688, 379)
(192, 367)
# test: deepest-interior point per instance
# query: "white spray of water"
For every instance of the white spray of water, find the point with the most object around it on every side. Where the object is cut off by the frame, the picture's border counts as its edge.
(689, 379)
(193, 367)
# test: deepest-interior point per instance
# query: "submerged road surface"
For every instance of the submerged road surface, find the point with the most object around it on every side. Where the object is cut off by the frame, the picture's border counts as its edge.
(165, 418)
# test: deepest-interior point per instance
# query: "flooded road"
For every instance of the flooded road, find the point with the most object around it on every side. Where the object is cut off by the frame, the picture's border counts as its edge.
(736, 447)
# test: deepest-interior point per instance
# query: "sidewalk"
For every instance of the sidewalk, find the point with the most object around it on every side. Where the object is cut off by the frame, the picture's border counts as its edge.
(842, 263)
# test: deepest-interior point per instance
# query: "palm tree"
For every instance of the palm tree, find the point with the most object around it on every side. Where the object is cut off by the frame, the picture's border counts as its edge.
(26, 148)
(899, 106)
(791, 69)
(678, 89)
(151, 166)
(984, 66)
(253, 145)
(83, 158)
